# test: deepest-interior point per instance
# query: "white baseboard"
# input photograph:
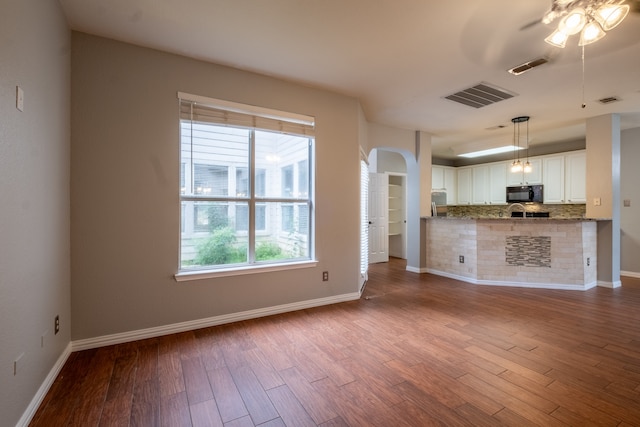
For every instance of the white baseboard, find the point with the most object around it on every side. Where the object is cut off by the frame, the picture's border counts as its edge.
(471, 280)
(44, 388)
(417, 269)
(140, 334)
(630, 274)
(611, 285)
(536, 285)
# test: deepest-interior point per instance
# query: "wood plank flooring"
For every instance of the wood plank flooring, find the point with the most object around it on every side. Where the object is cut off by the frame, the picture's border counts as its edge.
(416, 350)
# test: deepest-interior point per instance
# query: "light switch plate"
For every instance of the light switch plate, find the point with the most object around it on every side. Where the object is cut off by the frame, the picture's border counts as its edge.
(627, 203)
(597, 201)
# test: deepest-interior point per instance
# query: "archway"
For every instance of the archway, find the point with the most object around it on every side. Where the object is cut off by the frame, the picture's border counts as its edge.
(385, 159)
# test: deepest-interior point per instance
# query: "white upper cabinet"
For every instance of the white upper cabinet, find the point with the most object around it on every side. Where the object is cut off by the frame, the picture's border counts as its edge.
(445, 178)
(488, 183)
(451, 185)
(437, 177)
(576, 177)
(553, 179)
(563, 176)
(497, 183)
(464, 186)
(480, 185)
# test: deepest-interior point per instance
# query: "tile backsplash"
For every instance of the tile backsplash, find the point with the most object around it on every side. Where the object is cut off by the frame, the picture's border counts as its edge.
(500, 211)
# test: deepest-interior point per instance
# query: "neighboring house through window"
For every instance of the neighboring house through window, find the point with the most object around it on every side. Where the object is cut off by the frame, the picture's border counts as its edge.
(245, 186)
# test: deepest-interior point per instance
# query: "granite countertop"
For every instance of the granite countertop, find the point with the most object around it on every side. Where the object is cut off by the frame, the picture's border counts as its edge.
(445, 218)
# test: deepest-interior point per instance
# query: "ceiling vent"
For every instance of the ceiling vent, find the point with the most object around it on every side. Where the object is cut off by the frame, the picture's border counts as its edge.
(480, 95)
(516, 71)
(608, 100)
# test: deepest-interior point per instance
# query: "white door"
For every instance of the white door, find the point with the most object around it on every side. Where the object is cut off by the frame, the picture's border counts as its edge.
(378, 219)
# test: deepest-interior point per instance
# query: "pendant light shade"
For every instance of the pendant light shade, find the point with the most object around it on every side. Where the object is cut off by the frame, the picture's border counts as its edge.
(609, 16)
(516, 166)
(592, 33)
(573, 22)
(557, 39)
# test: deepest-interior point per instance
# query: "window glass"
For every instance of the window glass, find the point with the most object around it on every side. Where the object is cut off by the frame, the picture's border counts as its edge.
(303, 179)
(287, 181)
(278, 154)
(209, 216)
(219, 206)
(287, 218)
(211, 180)
(302, 212)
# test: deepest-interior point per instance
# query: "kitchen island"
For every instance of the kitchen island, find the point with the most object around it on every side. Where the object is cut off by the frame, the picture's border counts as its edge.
(526, 252)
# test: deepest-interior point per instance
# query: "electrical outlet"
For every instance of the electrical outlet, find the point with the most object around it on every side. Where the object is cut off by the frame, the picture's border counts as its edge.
(588, 262)
(597, 201)
(56, 327)
(627, 203)
(461, 259)
(325, 276)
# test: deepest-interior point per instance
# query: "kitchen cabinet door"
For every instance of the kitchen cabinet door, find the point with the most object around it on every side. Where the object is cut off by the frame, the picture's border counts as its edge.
(480, 185)
(437, 177)
(464, 186)
(497, 183)
(451, 185)
(576, 177)
(553, 179)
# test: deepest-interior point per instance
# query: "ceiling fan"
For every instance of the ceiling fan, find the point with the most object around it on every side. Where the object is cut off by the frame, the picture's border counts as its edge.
(589, 10)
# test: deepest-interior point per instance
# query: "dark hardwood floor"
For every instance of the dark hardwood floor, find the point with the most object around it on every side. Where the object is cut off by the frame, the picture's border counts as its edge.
(416, 350)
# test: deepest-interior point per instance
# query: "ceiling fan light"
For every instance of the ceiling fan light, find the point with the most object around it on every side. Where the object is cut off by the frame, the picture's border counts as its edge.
(610, 15)
(573, 22)
(591, 33)
(557, 38)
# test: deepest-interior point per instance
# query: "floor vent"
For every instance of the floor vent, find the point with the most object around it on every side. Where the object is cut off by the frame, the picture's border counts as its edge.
(527, 66)
(608, 100)
(480, 95)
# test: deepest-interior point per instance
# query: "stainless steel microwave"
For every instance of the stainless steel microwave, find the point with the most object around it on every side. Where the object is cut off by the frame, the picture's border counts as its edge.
(525, 194)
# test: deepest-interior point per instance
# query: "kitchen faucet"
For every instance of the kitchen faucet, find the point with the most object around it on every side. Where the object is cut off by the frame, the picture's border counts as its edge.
(510, 210)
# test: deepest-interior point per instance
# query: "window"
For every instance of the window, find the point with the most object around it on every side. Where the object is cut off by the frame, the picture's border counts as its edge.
(244, 186)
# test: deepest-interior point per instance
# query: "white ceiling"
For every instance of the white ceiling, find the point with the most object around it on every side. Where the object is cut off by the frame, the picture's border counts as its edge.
(400, 58)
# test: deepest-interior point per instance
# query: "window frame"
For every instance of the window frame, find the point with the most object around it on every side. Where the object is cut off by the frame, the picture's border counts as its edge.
(253, 200)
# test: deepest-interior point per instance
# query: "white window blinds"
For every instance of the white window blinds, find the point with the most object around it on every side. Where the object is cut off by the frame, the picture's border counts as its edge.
(209, 110)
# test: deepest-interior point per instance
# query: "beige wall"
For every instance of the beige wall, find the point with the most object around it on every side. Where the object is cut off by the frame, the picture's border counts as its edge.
(630, 190)
(34, 194)
(125, 186)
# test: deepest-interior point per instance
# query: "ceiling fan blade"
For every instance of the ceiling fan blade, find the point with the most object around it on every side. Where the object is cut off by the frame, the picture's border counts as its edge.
(531, 24)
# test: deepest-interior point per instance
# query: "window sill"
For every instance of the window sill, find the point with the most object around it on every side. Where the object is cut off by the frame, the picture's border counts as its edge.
(185, 276)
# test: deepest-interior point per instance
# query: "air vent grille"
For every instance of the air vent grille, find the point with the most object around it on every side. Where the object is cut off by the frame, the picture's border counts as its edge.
(528, 66)
(608, 100)
(480, 95)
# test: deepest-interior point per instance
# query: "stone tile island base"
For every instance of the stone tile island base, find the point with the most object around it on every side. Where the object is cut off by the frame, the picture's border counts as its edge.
(523, 252)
